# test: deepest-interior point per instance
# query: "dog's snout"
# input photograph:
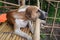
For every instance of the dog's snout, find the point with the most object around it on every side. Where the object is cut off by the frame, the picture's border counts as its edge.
(43, 15)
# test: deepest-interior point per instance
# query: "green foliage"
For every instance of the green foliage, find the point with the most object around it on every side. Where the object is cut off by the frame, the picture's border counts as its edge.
(1, 4)
(3, 10)
(51, 11)
(12, 1)
(43, 36)
(33, 2)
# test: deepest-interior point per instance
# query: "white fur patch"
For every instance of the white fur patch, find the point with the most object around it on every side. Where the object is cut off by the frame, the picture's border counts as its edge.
(22, 9)
(16, 16)
(21, 23)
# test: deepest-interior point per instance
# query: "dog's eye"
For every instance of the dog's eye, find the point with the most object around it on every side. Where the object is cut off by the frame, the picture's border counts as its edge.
(38, 11)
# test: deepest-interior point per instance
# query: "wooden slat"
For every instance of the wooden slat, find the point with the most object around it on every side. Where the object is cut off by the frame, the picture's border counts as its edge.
(7, 38)
(1, 35)
(4, 29)
(2, 26)
(17, 37)
(14, 37)
(10, 38)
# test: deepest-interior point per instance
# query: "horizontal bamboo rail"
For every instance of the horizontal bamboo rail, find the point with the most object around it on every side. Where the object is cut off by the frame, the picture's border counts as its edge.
(9, 3)
(53, 0)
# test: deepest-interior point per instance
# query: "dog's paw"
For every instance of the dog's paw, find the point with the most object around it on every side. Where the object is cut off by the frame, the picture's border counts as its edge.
(29, 38)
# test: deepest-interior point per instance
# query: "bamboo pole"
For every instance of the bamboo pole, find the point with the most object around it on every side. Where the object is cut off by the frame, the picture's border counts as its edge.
(41, 4)
(36, 35)
(23, 2)
(29, 2)
(50, 0)
(38, 3)
(56, 10)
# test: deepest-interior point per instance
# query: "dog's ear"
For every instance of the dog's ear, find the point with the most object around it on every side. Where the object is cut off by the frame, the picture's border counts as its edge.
(28, 12)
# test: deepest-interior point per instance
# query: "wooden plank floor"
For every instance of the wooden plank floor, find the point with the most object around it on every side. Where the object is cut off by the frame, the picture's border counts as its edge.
(6, 33)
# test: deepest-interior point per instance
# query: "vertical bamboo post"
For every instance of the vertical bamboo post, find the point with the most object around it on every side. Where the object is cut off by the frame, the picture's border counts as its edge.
(36, 35)
(23, 2)
(41, 3)
(56, 10)
(29, 2)
(38, 3)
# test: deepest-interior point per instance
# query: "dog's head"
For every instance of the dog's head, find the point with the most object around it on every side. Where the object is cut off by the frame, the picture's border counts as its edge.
(33, 12)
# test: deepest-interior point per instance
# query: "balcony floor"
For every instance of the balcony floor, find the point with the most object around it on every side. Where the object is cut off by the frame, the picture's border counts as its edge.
(6, 32)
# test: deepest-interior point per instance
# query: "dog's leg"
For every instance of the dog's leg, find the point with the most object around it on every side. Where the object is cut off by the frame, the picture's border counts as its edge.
(31, 26)
(21, 33)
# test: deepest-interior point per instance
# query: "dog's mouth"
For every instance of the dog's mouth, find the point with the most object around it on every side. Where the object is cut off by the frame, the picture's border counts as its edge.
(43, 23)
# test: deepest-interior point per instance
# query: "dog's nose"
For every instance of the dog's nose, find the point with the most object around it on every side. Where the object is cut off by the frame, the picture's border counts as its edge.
(46, 14)
(43, 15)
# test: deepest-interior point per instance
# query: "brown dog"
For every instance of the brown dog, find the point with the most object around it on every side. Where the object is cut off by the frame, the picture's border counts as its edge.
(22, 17)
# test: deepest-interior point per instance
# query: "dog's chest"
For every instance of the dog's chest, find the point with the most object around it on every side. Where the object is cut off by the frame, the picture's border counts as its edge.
(21, 23)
